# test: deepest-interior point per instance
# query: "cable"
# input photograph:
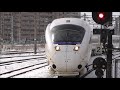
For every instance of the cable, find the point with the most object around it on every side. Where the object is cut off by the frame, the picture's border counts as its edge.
(87, 73)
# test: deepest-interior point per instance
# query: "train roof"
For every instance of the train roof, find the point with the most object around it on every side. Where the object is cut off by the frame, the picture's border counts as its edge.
(75, 21)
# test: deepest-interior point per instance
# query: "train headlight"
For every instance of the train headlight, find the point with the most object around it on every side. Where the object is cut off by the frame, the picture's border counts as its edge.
(76, 48)
(57, 48)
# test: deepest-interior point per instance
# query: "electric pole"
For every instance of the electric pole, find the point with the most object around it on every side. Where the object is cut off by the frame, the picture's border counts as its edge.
(35, 35)
(12, 36)
(84, 17)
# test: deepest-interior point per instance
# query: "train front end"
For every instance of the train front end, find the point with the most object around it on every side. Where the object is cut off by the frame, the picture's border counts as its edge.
(67, 46)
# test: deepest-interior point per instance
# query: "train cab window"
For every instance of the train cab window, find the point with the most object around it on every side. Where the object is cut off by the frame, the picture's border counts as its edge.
(68, 34)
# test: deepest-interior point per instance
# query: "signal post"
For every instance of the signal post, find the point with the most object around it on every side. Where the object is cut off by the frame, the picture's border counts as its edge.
(109, 55)
(105, 18)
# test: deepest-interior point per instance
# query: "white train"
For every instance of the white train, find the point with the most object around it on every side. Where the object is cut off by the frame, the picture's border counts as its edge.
(68, 46)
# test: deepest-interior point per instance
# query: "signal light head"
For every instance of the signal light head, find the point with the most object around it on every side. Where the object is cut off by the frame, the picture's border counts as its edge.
(101, 15)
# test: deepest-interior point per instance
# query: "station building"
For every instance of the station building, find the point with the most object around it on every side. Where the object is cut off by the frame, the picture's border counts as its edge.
(24, 27)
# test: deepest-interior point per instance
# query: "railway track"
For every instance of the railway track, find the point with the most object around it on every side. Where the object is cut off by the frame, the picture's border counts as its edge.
(23, 70)
(18, 52)
(20, 61)
(20, 56)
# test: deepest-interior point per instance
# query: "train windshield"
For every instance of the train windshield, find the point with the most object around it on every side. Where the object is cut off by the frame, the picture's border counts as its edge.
(67, 34)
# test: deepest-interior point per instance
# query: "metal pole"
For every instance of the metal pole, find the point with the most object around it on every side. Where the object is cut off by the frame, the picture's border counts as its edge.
(19, 28)
(12, 39)
(35, 46)
(35, 36)
(84, 17)
(80, 14)
(100, 34)
(119, 29)
(109, 56)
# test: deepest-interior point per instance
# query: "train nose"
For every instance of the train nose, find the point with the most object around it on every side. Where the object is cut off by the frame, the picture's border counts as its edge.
(68, 59)
(73, 62)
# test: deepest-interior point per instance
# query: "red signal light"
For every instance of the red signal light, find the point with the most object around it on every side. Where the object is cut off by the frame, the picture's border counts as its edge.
(101, 15)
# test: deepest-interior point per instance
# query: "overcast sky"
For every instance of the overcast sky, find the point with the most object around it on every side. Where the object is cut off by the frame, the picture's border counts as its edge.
(89, 13)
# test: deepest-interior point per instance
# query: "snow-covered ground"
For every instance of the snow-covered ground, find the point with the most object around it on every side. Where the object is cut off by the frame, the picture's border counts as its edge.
(14, 55)
(42, 72)
(14, 66)
(23, 70)
(19, 58)
(39, 73)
